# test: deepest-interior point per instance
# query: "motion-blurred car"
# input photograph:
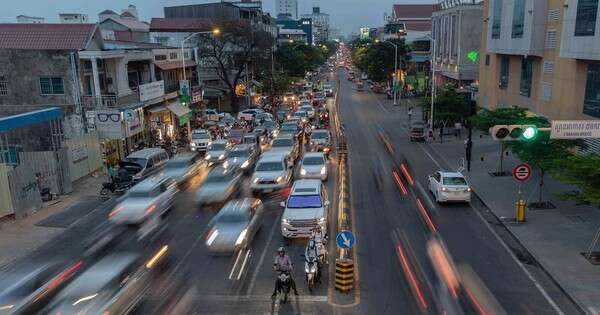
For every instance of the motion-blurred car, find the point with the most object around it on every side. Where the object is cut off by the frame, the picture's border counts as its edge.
(320, 140)
(234, 136)
(272, 172)
(150, 199)
(243, 156)
(449, 186)
(282, 115)
(271, 128)
(248, 114)
(116, 284)
(263, 116)
(235, 226)
(289, 97)
(200, 140)
(319, 97)
(217, 151)
(314, 165)
(220, 185)
(30, 287)
(309, 110)
(290, 128)
(417, 131)
(328, 89)
(183, 166)
(287, 145)
(252, 140)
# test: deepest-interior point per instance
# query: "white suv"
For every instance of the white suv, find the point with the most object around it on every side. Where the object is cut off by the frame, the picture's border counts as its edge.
(272, 172)
(200, 140)
(306, 207)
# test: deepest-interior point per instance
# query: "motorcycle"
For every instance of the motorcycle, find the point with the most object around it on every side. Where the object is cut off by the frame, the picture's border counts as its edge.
(284, 285)
(115, 187)
(311, 268)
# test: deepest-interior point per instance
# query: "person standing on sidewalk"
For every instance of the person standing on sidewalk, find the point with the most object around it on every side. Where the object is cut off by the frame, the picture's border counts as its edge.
(441, 131)
(410, 111)
(457, 128)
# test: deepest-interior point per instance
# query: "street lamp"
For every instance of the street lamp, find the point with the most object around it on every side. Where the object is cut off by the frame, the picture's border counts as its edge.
(215, 32)
(395, 69)
(432, 40)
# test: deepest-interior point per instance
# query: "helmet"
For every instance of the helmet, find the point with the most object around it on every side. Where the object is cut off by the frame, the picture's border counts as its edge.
(281, 250)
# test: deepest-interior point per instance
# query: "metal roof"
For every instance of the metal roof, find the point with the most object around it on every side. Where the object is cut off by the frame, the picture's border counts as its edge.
(29, 118)
(45, 36)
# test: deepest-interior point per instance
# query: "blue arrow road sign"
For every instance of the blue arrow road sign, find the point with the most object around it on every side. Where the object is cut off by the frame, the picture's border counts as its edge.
(345, 239)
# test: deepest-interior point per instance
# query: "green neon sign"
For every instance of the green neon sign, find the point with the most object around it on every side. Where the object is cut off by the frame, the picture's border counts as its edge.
(473, 55)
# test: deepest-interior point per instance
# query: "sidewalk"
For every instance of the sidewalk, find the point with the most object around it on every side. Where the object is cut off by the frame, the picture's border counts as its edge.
(555, 237)
(21, 237)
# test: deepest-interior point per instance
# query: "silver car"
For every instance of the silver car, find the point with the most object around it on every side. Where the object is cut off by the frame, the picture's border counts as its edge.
(287, 145)
(183, 166)
(113, 285)
(235, 226)
(219, 186)
(242, 156)
(320, 140)
(217, 151)
(314, 165)
(150, 199)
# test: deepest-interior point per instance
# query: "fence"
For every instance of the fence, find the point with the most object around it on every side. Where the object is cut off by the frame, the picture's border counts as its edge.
(84, 155)
(52, 168)
(20, 186)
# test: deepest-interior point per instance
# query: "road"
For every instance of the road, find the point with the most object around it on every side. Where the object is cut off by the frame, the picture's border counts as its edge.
(386, 222)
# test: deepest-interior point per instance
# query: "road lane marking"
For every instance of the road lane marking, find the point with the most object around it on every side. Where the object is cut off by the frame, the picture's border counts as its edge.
(237, 258)
(511, 254)
(262, 258)
(243, 265)
(379, 102)
(258, 298)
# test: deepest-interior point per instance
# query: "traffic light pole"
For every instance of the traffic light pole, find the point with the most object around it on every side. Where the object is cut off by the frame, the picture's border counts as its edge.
(469, 148)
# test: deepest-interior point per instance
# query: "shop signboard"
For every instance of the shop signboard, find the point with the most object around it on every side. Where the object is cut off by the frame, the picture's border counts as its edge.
(134, 124)
(152, 90)
(196, 95)
(108, 123)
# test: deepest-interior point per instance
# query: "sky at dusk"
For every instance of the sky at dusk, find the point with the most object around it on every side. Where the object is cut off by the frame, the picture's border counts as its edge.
(347, 15)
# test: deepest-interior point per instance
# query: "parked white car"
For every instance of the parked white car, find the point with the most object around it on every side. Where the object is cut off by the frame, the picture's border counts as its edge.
(449, 186)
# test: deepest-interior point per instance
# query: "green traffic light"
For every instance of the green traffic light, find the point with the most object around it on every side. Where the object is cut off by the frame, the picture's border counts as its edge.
(529, 133)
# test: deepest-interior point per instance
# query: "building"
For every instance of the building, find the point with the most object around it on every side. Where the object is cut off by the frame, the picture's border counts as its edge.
(291, 36)
(29, 19)
(410, 21)
(287, 7)
(456, 29)
(303, 24)
(125, 26)
(320, 22)
(73, 18)
(542, 55)
(335, 33)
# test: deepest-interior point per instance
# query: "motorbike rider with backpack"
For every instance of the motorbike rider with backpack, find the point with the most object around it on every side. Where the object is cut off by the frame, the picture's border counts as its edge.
(320, 240)
(312, 251)
(283, 263)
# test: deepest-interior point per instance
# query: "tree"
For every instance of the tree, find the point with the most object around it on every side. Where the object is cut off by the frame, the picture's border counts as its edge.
(377, 59)
(290, 60)
(237, 46)
(582, 171)
(486, 119)
(543, 153)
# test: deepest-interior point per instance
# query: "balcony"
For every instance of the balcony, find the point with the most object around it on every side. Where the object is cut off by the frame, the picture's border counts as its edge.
(110, 101)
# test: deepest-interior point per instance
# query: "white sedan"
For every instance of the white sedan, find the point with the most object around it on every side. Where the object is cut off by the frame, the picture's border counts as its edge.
(314, 165)
(449, 186)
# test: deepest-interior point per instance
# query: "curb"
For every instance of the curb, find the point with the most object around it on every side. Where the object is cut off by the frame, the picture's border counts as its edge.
(578, 305)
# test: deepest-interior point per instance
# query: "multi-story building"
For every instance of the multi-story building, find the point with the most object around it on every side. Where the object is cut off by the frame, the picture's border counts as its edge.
(320, 22)
(291, 36)
(73, 18)
(456, 30)
(410, 21)
(303, 24)
(287, 7)
(543, 55)
(125, 26)
(30, 19)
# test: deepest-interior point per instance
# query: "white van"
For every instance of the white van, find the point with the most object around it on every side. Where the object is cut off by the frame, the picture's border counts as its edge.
(306, 207)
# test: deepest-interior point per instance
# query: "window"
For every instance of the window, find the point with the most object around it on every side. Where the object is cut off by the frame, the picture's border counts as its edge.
(186, 55)
(526, 74)
(548, 67)
(52, 86)
(546, 89)
(553, 15)
(497, 18)
(504, 65)
(591, 102)
(487, 59)
(173, 55)
(160, 57)
(3, 85)
(585, 21)
(551, 39)
(518, 19)
(453, 39)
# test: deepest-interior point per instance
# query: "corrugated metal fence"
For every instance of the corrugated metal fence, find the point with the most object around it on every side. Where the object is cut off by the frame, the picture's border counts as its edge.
(84, 155)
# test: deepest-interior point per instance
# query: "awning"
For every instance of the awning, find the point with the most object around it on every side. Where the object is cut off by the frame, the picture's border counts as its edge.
(178, 109)
(170, 65)
(157, 109)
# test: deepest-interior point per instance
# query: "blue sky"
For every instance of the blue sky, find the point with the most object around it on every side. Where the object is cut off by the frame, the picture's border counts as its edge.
(347, 15)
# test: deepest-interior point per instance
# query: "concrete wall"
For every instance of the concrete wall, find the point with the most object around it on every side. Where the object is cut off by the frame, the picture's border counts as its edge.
(23, 69)
(84, 155)
(581, 47)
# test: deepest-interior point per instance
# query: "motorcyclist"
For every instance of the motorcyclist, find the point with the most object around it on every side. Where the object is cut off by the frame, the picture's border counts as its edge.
(319, 237)
(283, 263)
(313, 251)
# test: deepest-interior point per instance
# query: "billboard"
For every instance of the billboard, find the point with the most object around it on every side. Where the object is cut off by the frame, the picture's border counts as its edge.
(364, 33)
